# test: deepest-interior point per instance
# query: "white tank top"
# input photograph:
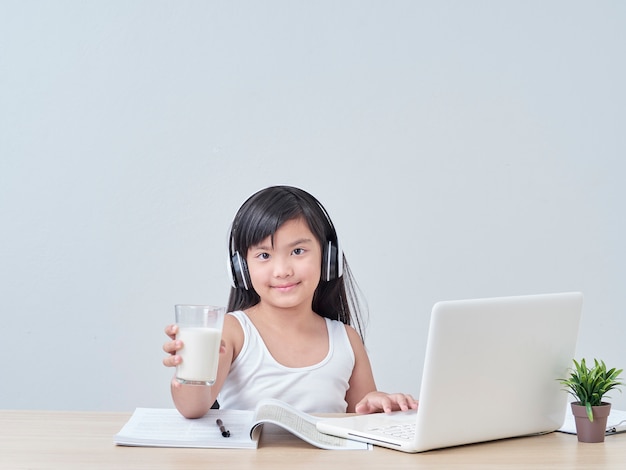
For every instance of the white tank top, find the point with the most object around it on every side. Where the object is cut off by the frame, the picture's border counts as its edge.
(255, 374)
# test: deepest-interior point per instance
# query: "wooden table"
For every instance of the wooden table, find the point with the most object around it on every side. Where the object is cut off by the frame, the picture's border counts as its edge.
(84, 440)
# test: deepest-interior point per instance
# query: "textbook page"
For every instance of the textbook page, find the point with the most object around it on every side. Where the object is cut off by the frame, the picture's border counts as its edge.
(301, 425)
(153, 427)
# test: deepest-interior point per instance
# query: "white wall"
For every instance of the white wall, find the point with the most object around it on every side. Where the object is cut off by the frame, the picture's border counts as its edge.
(464, 149)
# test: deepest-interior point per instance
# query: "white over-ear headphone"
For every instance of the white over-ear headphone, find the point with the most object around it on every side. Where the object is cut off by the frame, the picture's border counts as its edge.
(332, 261)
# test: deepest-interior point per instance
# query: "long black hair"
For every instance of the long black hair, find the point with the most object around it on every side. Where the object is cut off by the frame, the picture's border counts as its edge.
(260, 216)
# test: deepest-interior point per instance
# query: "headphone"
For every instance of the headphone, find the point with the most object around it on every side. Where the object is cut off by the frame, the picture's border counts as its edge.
(332, 261)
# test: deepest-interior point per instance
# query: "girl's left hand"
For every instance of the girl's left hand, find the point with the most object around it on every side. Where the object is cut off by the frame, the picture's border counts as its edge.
(375, 402)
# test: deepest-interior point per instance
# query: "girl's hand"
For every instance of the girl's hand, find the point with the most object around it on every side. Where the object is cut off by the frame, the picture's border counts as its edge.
(375, 402)
(172, 346)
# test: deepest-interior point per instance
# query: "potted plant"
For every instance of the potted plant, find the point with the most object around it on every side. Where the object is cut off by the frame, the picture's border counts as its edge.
(589, 385)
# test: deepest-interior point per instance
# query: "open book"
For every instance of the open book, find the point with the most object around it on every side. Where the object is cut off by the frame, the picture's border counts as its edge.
(154, 427)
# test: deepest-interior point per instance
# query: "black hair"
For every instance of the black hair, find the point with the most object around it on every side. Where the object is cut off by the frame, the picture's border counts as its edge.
(260, 216)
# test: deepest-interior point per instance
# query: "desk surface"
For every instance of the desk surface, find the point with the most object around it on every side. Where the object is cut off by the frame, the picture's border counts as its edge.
(80, 440)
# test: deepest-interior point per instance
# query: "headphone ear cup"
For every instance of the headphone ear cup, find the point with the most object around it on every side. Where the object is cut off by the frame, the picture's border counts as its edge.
(332, 262)
(239, 268)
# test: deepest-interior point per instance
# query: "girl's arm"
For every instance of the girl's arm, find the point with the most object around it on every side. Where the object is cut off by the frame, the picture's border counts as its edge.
(193, 401)
(362, 379)
(362, 396)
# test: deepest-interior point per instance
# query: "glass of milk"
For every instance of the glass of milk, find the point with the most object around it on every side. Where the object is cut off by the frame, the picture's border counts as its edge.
(200, 330)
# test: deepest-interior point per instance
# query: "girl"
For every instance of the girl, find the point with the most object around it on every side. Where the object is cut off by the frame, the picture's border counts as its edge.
(293, 331)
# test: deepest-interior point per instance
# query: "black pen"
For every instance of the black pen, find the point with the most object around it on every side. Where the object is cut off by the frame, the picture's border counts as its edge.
(223, 430)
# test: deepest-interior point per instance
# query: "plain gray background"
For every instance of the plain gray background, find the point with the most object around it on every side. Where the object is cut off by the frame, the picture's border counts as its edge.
(464, 149)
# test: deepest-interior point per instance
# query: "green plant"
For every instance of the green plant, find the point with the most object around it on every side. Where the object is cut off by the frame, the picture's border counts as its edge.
(589, 384)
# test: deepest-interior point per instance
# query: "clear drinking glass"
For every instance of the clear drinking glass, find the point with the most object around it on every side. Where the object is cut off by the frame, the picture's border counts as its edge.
(200, 330)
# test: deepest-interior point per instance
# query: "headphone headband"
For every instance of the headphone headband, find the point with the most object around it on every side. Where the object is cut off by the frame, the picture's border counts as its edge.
(332, 255)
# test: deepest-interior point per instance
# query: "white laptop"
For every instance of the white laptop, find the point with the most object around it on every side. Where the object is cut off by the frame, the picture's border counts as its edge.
(490, 372)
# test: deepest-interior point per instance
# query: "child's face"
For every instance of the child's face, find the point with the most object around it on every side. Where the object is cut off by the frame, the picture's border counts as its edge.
(286, 273)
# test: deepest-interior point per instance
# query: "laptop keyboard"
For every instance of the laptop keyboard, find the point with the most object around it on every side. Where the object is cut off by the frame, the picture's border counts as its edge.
(399, 431)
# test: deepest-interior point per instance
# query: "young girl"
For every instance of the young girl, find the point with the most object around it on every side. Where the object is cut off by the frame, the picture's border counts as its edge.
(290, 333)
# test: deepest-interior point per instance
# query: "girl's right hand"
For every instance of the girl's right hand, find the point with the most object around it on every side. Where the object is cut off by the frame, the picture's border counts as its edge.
(175, 345)
(172, 346)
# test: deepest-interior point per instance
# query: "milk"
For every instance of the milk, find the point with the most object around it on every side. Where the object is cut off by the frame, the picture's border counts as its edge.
(200, 354)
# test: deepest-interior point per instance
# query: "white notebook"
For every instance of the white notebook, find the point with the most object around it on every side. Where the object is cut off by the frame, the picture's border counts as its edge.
(615, 424)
